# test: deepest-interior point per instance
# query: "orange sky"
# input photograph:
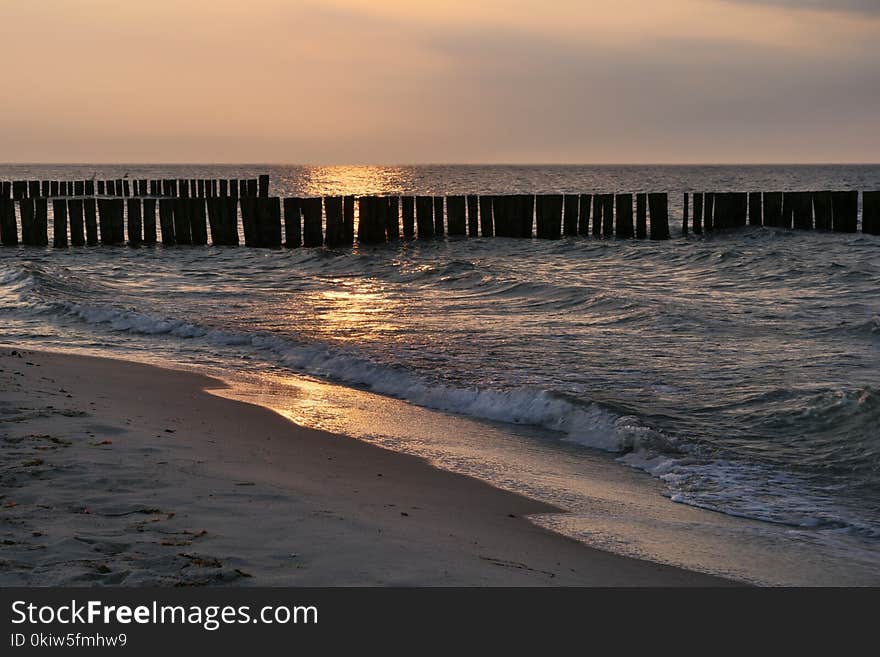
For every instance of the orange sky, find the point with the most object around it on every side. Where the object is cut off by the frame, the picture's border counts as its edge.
(394, 81)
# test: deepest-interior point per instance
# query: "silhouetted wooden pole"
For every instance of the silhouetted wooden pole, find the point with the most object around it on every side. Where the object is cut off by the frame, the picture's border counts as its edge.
(487, 226)
(77, 222)
(658, 206)
(585, 202)
(135, 222)
(756, 212)
(91, 215)
(264, 186)
(197, 221)
(773, 209)
(293, 223)
(166, 221)
(570, 205)
(59, 223)
(802, 205)
(335, 222)
(28, 229)
(41, 222)
(871, 213)
(312, 231)
(392, 218)
(425, 216)
(182, 226)
(438, 217)
(456, 215)
(473, 215)
(149, 215)
(8, 224)
(409, 216)
(698, 213)
(822, 210)
(624, 208)
(685, 212)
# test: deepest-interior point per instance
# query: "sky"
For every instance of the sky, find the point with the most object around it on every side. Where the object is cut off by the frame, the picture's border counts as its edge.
(459, 81)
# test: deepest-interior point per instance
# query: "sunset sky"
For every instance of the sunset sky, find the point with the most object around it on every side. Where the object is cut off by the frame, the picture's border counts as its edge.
(470, 81)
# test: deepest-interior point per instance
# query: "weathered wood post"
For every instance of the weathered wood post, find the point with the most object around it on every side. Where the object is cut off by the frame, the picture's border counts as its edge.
(293, 223)
(698, 213)
(77, 223)
(802, 206)
(33, 188)
(378, 218)
(348, 219)
(269, 222)
(149, 215)
(608, 215)
(264, 186)
(233, 188)
(787, 210)
(740, 201)
(55, 188)
(773, 209)
(709, 212)
(79, 187)
(126, 190)
(252, 187)
(135, 222)
(756, 215)
(249, 221)
(224, 188)
(685, 214)
(198, 224)
(312, 232)
(473, 215)
(425, 217)
(182, 226)
(658, 206)
(456, 215)
(19, 189)
(526, 215)
(570, 208)
(487, 225)
(408, 209)
(335, 222)
(8, 224)
(45, 188)
(5, 189)
(41, 221)
(871, 213)
(438, 217)
(549, 216)
(845, 211)
(183, 186)
(585, 202)
(624, 209)
(91, 215)
(28, 229)
(59, 222)
(392, 218)
(822, 210)
(501, 212)
(90, 188)
(166, 221)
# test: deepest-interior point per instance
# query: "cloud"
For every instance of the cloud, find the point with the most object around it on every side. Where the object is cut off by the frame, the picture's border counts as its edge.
(867, 7)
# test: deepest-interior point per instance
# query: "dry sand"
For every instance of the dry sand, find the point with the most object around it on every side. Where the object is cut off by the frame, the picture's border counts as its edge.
(120, 473)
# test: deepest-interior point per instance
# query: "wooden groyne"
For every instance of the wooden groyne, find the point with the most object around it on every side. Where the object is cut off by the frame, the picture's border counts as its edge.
(199, 212)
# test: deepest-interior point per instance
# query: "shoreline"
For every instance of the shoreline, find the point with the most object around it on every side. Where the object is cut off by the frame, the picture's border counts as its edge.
(175, 485)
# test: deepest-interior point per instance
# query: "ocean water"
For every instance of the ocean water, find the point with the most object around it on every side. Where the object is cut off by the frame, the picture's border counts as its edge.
(712, 402)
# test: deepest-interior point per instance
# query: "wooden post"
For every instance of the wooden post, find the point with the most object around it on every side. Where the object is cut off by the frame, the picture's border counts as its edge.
(233, 188)
(698, 213)
(597, 215)
(215, 189)
(501, 212)
(659, 209)
(408, 210)
(166, 221)
(142, 185)
(264, 186)
(252, 187)
(788, 203)
(425, 217)
(335, 221)
(182, 221)
(822, 210)
(122, 187)
(392, 218)
(45, 188)
(19, 189)
(773, 209)
(526, 215)
(5, 189)
(293, 223)
(624, 203)
(249, 221)
(487, 225)
(8, 224)
(607, 201)
(739, 209)
(570, 205)
(585, 203)
(438, 217)
(845, 211)
(269, 222)
(104, 221)
(183, 186)
(802, 210)
(149, 212)
(348, 219)
(198, 224)
(28, 229)
(135, 222)
(378, 215)
(79, 187)
(242, 189)
(642, 215)
(224, 188)
(59, 222)
(685, 214)
(41, 222)
(548, 209)
(456, 215)
(721, 211)
(90, 188)
(33, 188)
(77, 225)
(91, 216)
(871, 213)
(473, 215)
(756, 214)
(312, 231)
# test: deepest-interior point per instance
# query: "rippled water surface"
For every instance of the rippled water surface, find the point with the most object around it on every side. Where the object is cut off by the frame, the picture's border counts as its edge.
(742, 370)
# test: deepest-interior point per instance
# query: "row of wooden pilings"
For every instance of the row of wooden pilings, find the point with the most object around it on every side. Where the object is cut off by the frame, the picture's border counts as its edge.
(330, 221)
(124, 187)
(826, 210)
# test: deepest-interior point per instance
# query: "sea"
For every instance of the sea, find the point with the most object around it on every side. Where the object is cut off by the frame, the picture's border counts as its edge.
(711, 402)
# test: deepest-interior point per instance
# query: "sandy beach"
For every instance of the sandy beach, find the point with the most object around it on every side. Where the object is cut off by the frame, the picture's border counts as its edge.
(119, 473)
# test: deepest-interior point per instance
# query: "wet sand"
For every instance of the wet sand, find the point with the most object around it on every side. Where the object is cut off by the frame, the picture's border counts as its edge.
(120, 473)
